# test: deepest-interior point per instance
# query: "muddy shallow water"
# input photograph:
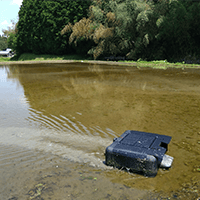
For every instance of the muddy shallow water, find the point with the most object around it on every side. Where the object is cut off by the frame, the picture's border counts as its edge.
(57, 119)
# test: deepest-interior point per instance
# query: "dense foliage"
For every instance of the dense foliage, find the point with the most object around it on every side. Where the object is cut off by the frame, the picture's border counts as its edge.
(40, 23)
(146, 29)
(139, 29)
(179, 31)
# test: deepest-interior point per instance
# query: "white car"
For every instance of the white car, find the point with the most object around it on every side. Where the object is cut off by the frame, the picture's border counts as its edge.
(7, 52)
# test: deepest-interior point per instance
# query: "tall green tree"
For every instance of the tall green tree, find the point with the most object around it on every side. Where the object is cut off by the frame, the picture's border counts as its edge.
(179, 30)
(174, 30)
(194, 26)
(40, 23)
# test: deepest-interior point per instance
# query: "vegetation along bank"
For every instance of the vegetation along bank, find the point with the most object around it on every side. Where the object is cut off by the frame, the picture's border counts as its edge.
(130, 29)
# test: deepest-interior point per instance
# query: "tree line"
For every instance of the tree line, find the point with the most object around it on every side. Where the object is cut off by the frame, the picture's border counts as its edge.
(146, 29)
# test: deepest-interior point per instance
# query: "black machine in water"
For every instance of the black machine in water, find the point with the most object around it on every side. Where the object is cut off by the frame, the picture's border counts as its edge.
(140, 152)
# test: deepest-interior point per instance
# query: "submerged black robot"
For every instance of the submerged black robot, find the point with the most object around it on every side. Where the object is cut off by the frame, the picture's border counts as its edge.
(140, 152)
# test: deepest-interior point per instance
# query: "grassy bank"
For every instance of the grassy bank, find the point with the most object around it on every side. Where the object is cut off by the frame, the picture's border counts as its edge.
(163, 64)
(32, 58)
(4, 59)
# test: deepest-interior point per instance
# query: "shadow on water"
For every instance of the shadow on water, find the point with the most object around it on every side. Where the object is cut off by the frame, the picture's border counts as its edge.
(57, 120)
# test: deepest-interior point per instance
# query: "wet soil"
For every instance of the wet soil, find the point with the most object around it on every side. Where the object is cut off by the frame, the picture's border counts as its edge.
(57, 119)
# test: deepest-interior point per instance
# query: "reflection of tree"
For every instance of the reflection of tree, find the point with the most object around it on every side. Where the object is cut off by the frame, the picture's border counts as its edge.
(13, 72)
(94, 91)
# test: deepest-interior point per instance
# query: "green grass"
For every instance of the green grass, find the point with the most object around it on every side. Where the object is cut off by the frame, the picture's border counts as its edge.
(161, 64)
(2, 59)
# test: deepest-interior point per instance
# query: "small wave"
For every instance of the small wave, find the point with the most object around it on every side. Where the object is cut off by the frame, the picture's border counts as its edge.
(73, 147)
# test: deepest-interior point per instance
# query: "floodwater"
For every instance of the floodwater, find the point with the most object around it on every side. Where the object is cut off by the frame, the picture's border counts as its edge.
(57, 119)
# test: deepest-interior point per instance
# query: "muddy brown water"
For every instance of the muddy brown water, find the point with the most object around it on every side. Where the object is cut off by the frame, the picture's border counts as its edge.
(57, 119)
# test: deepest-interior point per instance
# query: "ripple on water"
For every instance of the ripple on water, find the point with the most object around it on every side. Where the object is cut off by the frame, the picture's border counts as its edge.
(74, 147)
(69, 124)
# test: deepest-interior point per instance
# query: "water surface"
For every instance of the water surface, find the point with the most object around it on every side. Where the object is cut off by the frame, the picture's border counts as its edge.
(57, 119)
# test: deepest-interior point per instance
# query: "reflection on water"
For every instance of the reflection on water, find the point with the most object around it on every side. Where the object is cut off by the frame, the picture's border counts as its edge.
(71, 112)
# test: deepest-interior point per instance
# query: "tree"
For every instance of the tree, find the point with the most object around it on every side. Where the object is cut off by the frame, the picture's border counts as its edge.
(120, 27)
(174, 29)
(3, 43)
(194, 28)
(10, 35)
(179, 30)
(40, 23)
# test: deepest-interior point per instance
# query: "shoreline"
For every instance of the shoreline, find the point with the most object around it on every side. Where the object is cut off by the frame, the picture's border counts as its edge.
(134, 64)
(67, 61)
